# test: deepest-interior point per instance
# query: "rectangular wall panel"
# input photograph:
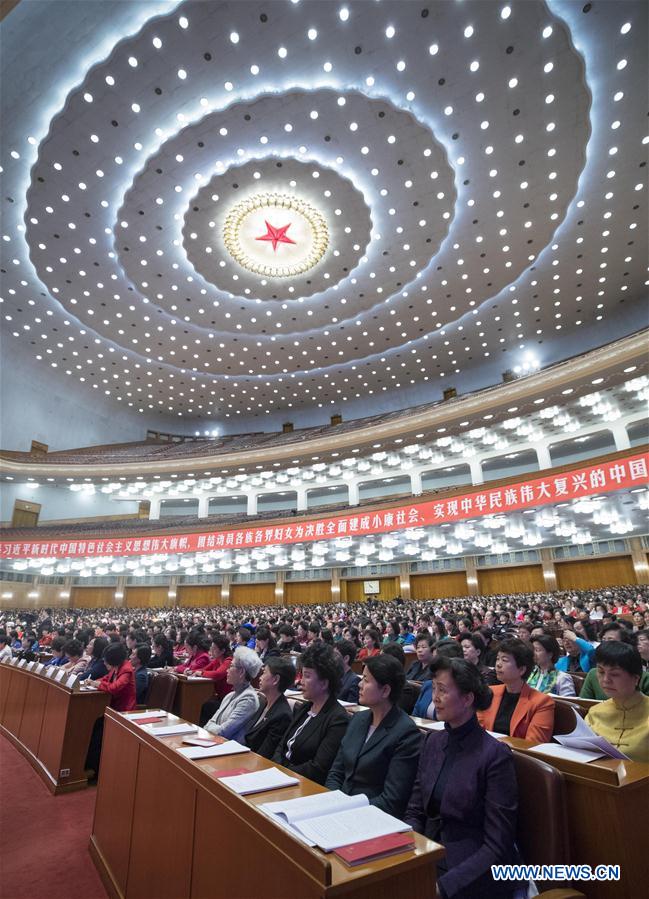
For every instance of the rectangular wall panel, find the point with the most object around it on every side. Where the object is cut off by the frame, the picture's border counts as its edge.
(438, 586)
(584, 574)
(302, 593)
(517, 579)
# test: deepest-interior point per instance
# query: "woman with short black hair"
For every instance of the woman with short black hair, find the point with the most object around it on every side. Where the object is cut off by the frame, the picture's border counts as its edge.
(311, 741)
(266, 728)
(544, 676)
(197, 653)
(163, 656)
(465, 794)
(518, 710)
(378, 754)
(622, 719)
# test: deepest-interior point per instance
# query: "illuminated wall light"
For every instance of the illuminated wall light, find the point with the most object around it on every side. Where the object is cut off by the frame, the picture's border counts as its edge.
(33, 594)
(119, 594)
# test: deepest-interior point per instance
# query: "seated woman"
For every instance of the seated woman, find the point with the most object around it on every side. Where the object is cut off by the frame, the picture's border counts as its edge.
(96, 667)
(544, 676)
(425, 707)
(420, 670)
(348, 690)
(265, 645)
(371, 644)
(579, 654)
(474, 649)
(119, 682)
(465, 794)
(517, 709)
(266, 728)
(379, 753)
(197, 656)
(623, 719)
(163, 656)
(311, 741)
(77, 660)
(217, 671)
(59, 657)
(237, 708)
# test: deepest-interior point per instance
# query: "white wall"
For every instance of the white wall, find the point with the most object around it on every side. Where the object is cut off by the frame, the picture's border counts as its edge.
(60, 502)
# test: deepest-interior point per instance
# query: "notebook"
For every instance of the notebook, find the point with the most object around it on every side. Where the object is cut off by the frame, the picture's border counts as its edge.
(331, 820)
(258, 781)
(171, 730)
(584, 737)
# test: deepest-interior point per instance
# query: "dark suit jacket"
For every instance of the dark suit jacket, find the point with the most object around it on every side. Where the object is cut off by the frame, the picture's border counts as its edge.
(349, 687)
(419, 672)
(383, 767)
(478, 811)
(264, 734)
(317, 745)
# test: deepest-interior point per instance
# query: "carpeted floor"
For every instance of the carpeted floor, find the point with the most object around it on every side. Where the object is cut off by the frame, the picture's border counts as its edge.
(43, 838)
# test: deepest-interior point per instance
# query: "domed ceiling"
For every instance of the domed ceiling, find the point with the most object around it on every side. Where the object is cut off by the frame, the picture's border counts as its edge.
(232, 209)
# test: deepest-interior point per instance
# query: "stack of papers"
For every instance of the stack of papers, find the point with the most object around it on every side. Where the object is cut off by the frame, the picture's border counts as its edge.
(584, 738)
(258, 781)
(170, 730)
(148, 715)
(333, 819)
(230, 747)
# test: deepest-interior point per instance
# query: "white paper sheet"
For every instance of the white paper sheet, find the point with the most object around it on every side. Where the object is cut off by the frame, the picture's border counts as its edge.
(258, 781)
(334, 801)
(169, 731)
(584, 737)
(352, 826)
(557, 751)
(230, 747)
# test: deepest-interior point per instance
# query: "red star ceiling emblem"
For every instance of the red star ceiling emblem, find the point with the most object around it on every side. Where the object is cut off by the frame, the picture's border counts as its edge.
(276, 235)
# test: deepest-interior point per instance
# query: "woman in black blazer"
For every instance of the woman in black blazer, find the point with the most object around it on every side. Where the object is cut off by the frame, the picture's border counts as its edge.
(311, 741)
(266, 728)
(380, 750)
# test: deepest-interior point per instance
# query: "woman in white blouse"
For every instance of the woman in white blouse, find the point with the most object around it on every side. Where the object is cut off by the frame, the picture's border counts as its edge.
(240, 706)
(544, 676)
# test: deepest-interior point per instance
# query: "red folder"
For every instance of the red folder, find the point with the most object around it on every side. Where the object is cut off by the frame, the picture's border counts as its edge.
(367, 850)
(154, 719)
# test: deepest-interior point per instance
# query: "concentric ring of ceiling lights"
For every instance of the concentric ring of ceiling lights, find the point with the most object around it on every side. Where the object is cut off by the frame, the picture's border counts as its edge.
(347, 228)
(304, 247)
(465, 134)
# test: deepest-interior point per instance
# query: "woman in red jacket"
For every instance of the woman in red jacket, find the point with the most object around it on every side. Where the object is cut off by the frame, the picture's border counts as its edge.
(216, 670)
(120, 684)
(371, 644)
(198, 657)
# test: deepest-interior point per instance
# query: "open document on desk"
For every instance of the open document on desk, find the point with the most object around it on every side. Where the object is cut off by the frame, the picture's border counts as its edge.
(330, 820)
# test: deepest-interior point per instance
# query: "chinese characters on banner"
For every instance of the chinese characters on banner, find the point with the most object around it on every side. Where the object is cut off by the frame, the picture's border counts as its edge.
(616, 474)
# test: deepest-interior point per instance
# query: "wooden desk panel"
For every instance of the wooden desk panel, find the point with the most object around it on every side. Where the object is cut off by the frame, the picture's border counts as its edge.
(50, 724)
(5, 678)
(222, 830)
(190, 696)
(15, 702)
(114, 809)
(33, 713)
(162, 790)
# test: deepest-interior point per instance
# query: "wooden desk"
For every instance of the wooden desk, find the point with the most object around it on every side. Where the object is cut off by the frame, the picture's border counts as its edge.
(608, 809)
(190, 696)
(50, 724)
(165, 828)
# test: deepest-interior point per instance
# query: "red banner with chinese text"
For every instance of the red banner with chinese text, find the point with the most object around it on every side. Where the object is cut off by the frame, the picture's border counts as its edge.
(617, 474)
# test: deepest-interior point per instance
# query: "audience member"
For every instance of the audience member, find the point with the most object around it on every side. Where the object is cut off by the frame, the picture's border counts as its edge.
(238, 707)
(265, 730)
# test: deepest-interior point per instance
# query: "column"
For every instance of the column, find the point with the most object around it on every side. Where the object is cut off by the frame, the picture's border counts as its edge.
(252, 504)
(549, 571)
(66, 591)
(203, 506)
(154, 508)
(543, 455)
(279, 588)
(476, 471)
(354, 497)
(471, 576)
(226, 579)
(302, 499)
(173, 590)
(639, 557)
(620, 436)
(415, 483)
(119, 591)
(404, 581)
(335, 584)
